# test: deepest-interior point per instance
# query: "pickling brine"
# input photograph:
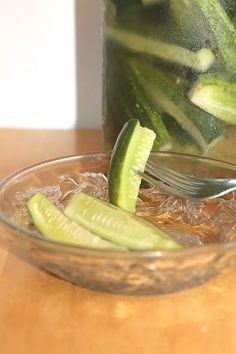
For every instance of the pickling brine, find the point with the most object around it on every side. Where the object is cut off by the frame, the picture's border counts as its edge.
(171, 64)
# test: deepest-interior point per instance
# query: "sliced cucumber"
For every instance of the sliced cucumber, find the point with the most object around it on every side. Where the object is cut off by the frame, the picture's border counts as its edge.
(128, 100)
(124, 8)
(169, 92)
(52, 223)
(223, 29)
(129, 156)
(190, 23)
(117, 225)
(215, 94)
(199, 61)
(151, 2)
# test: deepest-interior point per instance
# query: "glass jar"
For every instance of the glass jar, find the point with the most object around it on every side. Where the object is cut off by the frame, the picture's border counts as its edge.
(172, 65)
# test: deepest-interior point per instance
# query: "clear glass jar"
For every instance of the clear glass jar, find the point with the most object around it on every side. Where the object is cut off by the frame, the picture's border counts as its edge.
(172, 65)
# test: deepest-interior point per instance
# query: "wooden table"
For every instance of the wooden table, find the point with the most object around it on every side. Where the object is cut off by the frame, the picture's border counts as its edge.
(40, 314)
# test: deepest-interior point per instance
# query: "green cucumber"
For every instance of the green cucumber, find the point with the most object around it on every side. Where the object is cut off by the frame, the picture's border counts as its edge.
(191, 24)
(229, 6)
(127, 99)
(215, 94)
(200, 61)
(117, 225)
(126, 7)
(168, 92)
(180, 140)
(129, 156)
(151, 2)
(53, 224)
(223, 29)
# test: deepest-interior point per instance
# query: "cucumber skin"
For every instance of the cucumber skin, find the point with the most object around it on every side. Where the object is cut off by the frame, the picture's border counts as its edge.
(117, 225)
(121, 170)
(176, 89)
(117, 159)
(200, 61)
(124, 7)
(223, 29)
(191, 24)
(126, 99)
(216, 94)
(137, 105)
(54, 225)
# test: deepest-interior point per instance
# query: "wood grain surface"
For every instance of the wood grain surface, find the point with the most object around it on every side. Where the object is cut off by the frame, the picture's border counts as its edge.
(41, 314)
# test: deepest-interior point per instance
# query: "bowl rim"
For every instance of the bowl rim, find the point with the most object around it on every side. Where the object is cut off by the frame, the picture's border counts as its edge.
(79, 250)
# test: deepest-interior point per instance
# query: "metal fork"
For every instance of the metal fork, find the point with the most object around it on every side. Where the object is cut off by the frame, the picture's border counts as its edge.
(186, 186)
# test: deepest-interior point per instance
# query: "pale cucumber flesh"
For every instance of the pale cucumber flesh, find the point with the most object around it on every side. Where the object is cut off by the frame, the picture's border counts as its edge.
(117, 225)
(216, 95)
(129, 156)
(53, 224)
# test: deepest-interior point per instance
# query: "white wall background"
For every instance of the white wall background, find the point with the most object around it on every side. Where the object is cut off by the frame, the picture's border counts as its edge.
(50, 63)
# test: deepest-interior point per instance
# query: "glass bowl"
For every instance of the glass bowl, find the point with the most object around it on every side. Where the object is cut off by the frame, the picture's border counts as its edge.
(210, 240)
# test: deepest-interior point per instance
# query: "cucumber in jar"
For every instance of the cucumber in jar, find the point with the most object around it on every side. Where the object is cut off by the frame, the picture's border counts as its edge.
(216, 94)
(200, 60)
(190, 22)
(128, 100)
(168, 47)
(168, 92)
(223, 30)
(150, 31)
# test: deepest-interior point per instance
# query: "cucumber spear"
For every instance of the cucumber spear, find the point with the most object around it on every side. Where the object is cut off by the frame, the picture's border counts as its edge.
(223, 29)
(199, 61)
(169, 93)
(216, 95)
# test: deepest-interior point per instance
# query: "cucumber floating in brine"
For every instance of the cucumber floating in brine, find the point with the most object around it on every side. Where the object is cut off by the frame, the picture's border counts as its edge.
(127, 99)
(215, 94)
(169, 93)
